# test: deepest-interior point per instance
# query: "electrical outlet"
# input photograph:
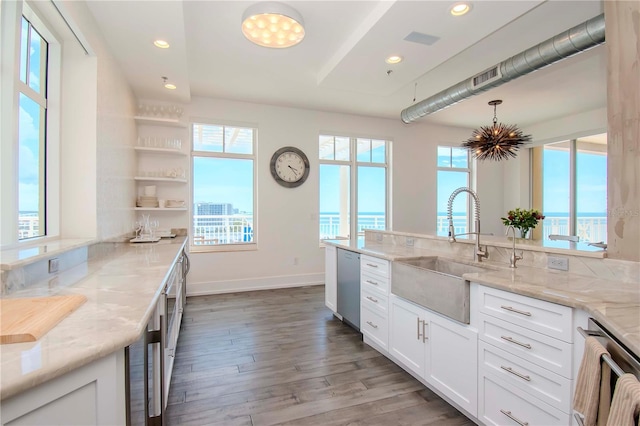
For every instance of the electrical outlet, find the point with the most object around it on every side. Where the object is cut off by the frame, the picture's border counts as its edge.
(410, 242)
(54, 264)
(557, 262)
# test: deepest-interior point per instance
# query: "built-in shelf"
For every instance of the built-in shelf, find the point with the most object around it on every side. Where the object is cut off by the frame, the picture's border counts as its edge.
(174, 209)
(158, 121)
(160, 179)
(167, 151)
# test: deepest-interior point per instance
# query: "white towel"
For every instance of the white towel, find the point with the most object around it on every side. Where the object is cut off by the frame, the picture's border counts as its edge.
(625, 404)
(587, 397)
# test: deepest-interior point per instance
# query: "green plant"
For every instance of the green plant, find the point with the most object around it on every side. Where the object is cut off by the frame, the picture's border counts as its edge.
(522, 219)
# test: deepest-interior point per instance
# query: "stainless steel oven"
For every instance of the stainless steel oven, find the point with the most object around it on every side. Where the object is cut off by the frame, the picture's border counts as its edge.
(620, 358)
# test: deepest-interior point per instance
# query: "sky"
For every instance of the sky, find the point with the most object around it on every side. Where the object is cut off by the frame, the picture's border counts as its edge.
(28, 127)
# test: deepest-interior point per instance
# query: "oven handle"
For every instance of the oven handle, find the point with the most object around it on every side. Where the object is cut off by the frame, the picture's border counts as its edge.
(606, 358)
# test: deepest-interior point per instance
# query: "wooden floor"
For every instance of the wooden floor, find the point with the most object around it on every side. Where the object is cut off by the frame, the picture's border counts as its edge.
(280, 357)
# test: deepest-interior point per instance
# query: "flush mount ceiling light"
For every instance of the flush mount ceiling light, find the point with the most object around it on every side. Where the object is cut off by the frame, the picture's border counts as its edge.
(273, 24)
(496, 142)
(394, 59)
(161, 44)
(460, 9)
(168, 85)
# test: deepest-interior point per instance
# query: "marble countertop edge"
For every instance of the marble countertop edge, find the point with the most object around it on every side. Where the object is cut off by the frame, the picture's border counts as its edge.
(17, 257)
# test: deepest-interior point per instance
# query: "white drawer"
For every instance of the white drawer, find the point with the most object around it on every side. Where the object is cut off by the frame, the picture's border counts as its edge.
(375, 327)
(502, 404)
(375, 301)
(375, 265)
(549, 387)
(374, 282)
(538, 315)
(547, 352)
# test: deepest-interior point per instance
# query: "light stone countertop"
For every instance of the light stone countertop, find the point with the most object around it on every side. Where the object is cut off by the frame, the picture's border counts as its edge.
(615, 304)
(122, 283)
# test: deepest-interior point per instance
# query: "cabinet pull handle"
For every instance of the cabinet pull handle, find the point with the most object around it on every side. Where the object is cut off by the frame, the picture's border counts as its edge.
(514, 418)
(418, 327)
(372, 299)
(424, 333)
(372, 324)
(372, 282)
(509, 308)
(515, 373)
(372, 265)
(512, 340)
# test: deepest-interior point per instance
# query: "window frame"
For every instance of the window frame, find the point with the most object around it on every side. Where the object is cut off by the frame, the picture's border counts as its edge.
(248, 246)
(537, 180)
(11, 16)
(354, 165)
(468, 170)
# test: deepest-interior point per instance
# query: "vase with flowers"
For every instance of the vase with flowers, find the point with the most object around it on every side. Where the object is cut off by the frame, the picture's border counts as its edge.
(522, 219)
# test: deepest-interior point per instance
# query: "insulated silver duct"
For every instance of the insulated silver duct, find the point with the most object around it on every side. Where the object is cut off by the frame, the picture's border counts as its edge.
(577, 39)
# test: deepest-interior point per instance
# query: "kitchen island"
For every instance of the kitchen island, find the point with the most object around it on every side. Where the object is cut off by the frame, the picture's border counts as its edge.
(512, 346)
(123, 283)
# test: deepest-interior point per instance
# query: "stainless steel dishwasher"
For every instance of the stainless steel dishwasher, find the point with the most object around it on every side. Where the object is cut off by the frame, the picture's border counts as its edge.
(349, 287)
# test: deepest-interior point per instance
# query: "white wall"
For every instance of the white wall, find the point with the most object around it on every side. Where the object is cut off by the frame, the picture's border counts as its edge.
(287, 219)
(97, 131)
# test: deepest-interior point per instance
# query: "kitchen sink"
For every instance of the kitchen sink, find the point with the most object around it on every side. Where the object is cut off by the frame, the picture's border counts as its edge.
(435, 283)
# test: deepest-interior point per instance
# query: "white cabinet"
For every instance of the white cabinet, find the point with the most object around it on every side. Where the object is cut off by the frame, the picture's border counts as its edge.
(331, 278)
(93, 394)
(440, 350)
(406, 334)
(374, 301)
(451, 364)
(525, 358)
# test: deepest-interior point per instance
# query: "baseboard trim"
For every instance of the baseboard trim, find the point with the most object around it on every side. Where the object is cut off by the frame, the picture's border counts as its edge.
(253, 284)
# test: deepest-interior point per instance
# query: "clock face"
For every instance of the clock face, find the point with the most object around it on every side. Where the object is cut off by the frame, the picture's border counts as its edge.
(289, 167)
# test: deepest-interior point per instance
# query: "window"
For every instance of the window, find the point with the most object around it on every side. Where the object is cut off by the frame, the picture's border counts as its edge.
(453, 173)
(574, 188)
(223, 186)
(32, 133)
(353, 178)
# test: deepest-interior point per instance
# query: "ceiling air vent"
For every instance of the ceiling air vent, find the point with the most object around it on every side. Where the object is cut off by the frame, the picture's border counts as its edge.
(486, 77)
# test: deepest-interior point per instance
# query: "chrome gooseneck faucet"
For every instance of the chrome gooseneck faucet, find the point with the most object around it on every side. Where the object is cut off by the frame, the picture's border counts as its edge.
(514, 257)
(479, 252)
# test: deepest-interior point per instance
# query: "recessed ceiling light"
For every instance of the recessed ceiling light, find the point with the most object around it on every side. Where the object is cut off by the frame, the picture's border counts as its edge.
(161, 44)
(394, 59)
(168, 85)
(460, 9)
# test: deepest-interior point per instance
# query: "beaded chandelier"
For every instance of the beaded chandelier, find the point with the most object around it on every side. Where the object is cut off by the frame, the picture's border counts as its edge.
(496, 142)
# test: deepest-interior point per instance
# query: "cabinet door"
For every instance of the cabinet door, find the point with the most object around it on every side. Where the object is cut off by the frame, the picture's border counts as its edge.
(452, 362)
(331, 278)
(406, 334)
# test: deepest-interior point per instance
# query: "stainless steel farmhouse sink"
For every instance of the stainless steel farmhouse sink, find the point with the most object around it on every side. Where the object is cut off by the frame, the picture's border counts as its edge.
(435, 283)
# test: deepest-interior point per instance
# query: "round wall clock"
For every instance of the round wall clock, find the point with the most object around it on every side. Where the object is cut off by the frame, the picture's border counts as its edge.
(289, 167)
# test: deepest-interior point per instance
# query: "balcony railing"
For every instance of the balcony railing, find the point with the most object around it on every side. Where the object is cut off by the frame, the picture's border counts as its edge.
(331, 226)
(222, 229)
(591, 229)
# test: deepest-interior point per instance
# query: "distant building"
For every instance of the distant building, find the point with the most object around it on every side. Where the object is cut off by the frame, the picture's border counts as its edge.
(214, 209)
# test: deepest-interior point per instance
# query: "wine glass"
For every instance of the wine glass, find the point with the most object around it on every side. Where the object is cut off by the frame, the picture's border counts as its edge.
(137, 227)
(154, 224)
